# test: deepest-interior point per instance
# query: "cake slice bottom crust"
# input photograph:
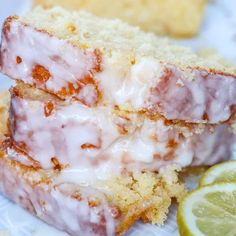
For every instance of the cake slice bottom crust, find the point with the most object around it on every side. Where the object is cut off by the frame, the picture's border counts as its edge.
(108, 208)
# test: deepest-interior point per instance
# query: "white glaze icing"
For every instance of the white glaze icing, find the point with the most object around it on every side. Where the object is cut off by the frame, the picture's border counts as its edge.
(128, 85)
(66, 63)
(148, 144)
(63, 133)
(135, 84)
(54, 203)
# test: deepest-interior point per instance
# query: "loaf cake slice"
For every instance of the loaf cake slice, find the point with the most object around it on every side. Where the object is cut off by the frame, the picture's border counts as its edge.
(95, 115)
(98, 62)
(58, 134)
(105, 208)
(181, 19)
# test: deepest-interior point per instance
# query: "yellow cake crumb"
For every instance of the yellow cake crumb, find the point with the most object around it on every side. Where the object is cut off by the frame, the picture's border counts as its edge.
(146, 195)
(182, 18)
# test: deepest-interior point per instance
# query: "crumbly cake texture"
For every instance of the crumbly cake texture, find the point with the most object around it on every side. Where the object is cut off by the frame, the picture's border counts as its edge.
(106, 62)
(86, 30)
(4, 114)
(125, 195)
(108, 208)
(162, 17)
(147, 193)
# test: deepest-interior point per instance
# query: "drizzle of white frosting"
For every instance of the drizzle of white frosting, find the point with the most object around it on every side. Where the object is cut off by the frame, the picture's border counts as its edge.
(55, 203)
(128, 85)
(148, 144)
(65, 62)
(135, 84)
(63, 133)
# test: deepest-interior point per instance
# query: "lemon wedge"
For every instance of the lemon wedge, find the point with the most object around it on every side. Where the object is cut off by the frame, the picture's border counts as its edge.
(223, 172)
(209, 211)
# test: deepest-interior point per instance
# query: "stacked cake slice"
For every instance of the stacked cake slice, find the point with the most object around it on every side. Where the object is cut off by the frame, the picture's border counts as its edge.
(103, 116)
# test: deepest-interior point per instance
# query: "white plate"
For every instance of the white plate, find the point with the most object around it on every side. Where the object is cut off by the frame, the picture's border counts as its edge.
(218, 32)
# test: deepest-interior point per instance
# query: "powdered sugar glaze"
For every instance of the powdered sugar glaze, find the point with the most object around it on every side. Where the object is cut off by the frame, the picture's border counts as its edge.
(98, 78)
(97, 143)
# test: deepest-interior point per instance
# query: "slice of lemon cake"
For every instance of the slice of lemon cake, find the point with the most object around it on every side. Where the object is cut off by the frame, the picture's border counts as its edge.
(106, 141)
(105, 208)
(98, 62)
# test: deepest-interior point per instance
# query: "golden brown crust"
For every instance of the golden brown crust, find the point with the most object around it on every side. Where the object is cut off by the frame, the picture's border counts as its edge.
(213, 72)
(4, 106)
